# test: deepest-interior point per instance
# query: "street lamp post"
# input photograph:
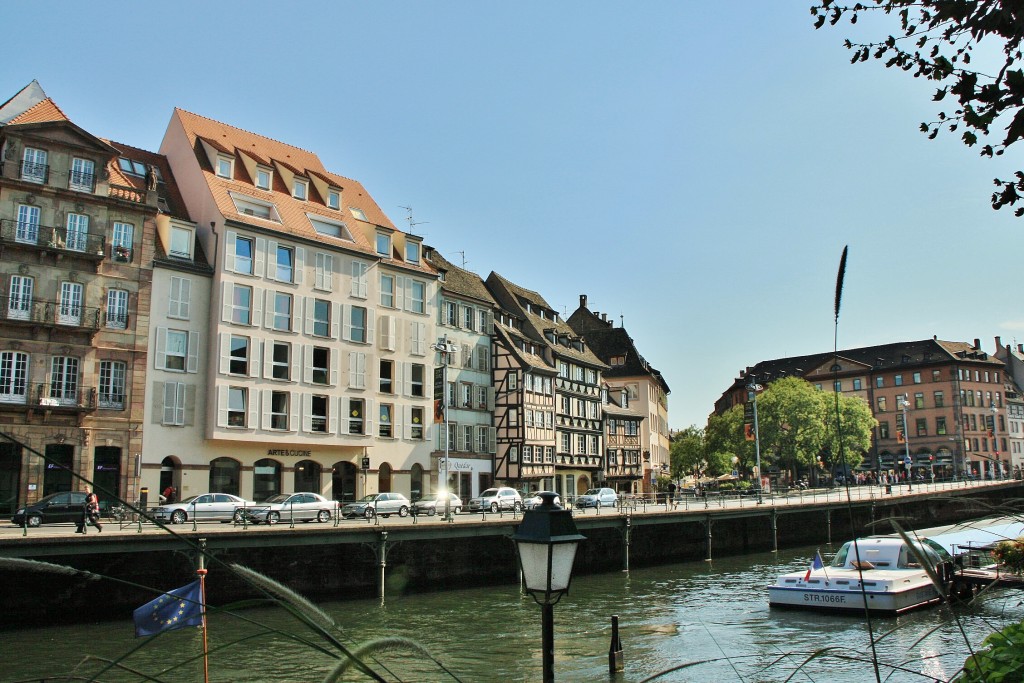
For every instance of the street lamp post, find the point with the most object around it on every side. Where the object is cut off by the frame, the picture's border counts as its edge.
(903, 400)
(445, 349)
(546, 542)
(753, 390)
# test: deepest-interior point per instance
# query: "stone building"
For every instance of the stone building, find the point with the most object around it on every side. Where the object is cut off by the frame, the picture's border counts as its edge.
(78, 219)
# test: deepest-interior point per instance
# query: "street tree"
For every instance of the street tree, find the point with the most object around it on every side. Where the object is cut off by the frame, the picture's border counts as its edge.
(935, 40)
(687, 452)
(791, 423)
(856, 425)
(724, 440)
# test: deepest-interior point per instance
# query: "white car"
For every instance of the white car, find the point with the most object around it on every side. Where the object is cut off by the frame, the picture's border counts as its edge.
(205, 507)
(535, 500)
(502, 498)
(303, 506)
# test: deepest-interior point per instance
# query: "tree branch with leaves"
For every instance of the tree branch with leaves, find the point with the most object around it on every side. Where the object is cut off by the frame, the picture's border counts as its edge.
(935, 41)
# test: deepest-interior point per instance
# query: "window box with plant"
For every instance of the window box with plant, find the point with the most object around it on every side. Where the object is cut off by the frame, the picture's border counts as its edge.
(122, 253)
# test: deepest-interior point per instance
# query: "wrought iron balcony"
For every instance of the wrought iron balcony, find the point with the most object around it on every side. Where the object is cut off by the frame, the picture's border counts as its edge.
(34, 173)
(81, 181)
(50, 238)
(63, 314)
(59, 396)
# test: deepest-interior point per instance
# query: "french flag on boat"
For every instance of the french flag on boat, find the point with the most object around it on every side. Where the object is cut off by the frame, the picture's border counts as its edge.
(817, 564)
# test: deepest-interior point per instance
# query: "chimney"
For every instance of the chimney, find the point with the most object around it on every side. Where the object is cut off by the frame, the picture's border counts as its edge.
(583, 300)
(977, 343)
(999, 344)
(1020, 348)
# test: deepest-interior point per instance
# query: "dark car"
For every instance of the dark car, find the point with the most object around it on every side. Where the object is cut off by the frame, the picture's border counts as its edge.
(56, 507)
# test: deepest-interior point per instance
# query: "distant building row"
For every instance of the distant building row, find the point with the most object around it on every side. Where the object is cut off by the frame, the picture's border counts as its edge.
(964, 409)
(229, 316)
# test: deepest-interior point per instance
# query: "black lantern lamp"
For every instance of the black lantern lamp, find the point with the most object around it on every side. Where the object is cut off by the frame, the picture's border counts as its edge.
(546, 541)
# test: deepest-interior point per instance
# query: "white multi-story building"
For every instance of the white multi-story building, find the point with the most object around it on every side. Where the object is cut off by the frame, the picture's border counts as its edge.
(466, 321)
(320, 327)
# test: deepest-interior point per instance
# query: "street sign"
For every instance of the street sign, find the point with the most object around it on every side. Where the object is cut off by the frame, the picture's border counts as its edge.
(906, 460)
(438, 382)
(366, 463)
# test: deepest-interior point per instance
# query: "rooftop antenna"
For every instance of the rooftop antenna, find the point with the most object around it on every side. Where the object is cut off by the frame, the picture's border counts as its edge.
(409, 219)
(622, 320)
(463, 255)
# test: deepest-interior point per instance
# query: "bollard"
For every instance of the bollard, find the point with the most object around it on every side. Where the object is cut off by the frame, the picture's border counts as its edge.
(615, 660)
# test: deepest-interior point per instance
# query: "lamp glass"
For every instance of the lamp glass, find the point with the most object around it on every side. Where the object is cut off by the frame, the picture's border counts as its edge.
(562, 557)
(533, 557)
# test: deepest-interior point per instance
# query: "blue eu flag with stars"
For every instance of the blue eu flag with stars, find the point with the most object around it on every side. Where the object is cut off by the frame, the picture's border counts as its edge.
(174, 609)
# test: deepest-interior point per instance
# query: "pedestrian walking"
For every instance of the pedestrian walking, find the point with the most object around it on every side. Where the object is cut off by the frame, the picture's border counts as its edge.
(90, 512)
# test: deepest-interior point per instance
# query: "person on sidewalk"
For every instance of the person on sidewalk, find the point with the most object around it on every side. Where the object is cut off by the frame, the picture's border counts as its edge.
(90, 513)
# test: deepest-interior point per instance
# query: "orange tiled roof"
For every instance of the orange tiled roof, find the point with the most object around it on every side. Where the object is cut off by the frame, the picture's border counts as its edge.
(293, 212)
(43, 112)
(169, 191)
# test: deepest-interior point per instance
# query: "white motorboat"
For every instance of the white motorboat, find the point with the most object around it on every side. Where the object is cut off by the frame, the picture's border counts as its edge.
(881, 574)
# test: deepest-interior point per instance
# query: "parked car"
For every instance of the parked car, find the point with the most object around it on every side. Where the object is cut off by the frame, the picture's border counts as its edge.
(205, 507)
(66, 506)
(502, 498)
(383, 504)
(434, 503)
(534, 500)
(596, 498)
(303, 506)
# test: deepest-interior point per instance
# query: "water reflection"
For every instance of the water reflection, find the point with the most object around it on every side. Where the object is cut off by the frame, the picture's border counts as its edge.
(713, 613)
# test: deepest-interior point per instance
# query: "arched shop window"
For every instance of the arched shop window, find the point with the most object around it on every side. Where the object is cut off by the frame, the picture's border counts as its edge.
(224, 476)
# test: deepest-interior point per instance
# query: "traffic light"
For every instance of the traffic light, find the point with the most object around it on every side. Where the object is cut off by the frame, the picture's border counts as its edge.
(899, 436)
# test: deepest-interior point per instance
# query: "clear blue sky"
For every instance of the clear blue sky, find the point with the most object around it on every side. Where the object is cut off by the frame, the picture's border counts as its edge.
(692, 165)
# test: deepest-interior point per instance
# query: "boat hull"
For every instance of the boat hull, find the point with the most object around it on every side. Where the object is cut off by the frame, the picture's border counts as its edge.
(852, 600)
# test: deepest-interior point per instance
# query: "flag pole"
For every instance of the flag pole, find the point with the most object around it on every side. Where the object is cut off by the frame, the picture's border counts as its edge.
(201, 573)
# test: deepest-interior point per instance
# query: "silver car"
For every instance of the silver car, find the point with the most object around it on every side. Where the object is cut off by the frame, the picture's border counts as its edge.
(434, 504)
(205, 507)
(383, 504)
(303, 506)
(502, 498)
(597, 498)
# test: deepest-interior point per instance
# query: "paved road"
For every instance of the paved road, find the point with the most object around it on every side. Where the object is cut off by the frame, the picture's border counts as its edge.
(9, 532)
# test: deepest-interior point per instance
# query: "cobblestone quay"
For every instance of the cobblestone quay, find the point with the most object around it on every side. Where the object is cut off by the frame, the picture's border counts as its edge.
(347, 559)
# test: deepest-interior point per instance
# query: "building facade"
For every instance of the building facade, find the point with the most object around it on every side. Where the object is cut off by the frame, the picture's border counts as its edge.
(647, 391)
(77, 224)
(465, 443)
(320, 327)
(577, 420)
(940, 403)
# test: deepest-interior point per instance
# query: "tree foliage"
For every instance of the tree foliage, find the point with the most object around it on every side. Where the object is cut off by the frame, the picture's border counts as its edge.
(797, 426)
(687, 452)
(935, 41)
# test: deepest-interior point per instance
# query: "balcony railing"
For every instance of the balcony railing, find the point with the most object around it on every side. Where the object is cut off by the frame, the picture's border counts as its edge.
(127, 193)
(49, 237)
(35, 173)
(81, 181)
(64, 314)
(57, 396)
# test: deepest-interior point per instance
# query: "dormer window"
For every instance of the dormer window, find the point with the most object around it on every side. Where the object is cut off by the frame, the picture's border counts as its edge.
(225, 167)
(250, 206)
(358, 213)
(384, 244)
(412, 252)
(618, 360)
(181, 242)
(300, 189)
(264, 176)
(131, 167)
(333, 199)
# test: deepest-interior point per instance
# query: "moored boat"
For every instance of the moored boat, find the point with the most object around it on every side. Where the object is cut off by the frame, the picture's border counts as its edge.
(881, 574)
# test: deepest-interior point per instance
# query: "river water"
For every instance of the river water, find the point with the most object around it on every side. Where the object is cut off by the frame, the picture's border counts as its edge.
(712, 614)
